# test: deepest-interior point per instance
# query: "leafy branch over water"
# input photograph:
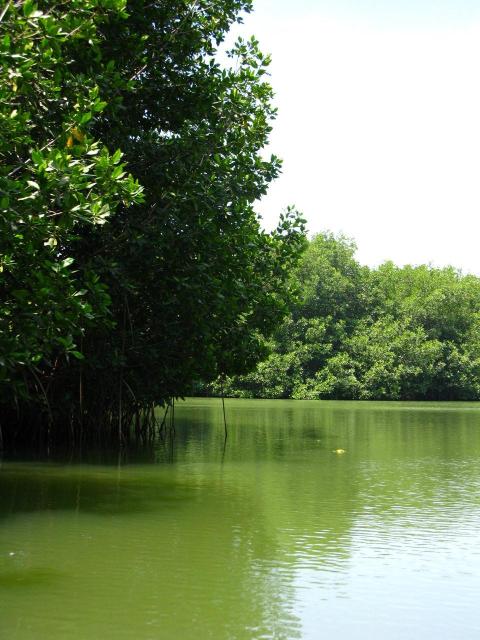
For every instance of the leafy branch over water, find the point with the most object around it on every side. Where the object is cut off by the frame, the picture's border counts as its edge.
(132, 261)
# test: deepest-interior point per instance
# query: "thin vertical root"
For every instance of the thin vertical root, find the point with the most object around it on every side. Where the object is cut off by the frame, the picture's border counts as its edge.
(224, 416)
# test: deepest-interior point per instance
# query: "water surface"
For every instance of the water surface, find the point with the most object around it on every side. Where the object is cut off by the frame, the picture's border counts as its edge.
(271, 535)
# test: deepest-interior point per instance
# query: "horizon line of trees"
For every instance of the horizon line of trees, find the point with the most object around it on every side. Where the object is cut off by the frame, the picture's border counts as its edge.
(360, 333)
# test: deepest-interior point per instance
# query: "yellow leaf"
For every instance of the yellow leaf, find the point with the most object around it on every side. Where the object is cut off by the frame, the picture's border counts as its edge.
(78, 135)
(70, 142)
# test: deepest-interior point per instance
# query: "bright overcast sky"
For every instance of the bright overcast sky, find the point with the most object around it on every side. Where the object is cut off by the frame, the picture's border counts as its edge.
(379, 123)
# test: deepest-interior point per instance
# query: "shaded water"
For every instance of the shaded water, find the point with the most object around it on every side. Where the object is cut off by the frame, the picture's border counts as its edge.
(272, 536)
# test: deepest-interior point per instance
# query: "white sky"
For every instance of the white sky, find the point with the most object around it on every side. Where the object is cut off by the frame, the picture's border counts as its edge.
(378, 127)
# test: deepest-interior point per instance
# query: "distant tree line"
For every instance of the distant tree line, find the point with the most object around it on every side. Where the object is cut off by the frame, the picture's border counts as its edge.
(132, 262)
(390, 333)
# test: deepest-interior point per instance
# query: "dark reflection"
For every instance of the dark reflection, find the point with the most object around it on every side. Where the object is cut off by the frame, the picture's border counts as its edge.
(24, 489)
(136, 452)
(21, 578)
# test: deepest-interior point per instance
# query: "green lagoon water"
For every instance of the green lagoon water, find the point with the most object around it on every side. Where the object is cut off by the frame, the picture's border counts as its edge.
(271, 536)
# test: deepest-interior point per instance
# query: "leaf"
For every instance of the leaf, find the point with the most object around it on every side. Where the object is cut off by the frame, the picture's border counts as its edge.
(37, 157)
(117, 156)
(28, 8)
(118, 173)
(99, 106)
(86, 117)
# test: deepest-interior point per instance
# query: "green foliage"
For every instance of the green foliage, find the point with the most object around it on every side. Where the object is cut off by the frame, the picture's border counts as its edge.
(116, 296)
(333, 284)
(56, 181)
(389, 333)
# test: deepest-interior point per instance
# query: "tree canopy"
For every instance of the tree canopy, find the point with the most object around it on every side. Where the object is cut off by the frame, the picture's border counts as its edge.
(132, 262)
(391, 333)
